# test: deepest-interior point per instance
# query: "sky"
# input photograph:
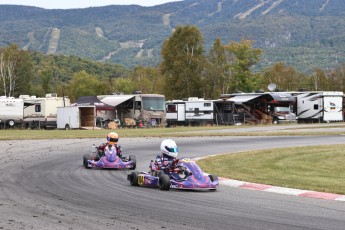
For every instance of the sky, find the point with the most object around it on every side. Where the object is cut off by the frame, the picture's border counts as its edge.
(72, 4)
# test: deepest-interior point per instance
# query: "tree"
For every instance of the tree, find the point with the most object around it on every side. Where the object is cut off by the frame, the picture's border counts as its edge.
(318, 80)
(147, 80)
(285, 77)
(15, 71)
(218, 77)
(242, 56)
(122, 85)
(46, 81)
(83, 84)
(183, 63)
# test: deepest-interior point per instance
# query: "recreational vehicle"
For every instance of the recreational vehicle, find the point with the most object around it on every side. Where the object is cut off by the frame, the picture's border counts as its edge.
(145, 109)
(319, 106)
(192, 111)
(270, 107)
(11, 111)
(41, 112)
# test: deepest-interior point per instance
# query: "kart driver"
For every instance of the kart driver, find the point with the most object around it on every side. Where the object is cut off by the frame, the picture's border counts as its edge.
(110, 146)
(167, 160)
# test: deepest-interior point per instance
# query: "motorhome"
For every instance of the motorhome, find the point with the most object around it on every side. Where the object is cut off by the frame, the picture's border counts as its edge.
(41, 112)
(144, 109)
(191, 111)
(11, 111)
(319, 106)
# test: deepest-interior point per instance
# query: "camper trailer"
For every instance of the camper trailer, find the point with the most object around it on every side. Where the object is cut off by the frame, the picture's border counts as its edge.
(269, 107)
(141, 109)
(11, 111)
(191, 111)
(319, 106)
(41, 112)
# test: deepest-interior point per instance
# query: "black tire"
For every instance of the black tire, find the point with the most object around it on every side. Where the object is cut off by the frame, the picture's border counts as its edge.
(134, 159)
(275, 121)
(160, 173)
(213, 177)
(85, 159)
(133, 178)
(164, 182)
(11, 123)
(97, 157)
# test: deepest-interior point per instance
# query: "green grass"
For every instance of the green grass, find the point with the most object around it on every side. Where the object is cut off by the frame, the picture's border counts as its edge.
(22, 134)
(318, 168)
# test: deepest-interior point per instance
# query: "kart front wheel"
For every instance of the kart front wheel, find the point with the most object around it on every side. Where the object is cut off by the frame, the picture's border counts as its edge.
(164, 182)
(133, 158)
(86, 158)
(133, 178)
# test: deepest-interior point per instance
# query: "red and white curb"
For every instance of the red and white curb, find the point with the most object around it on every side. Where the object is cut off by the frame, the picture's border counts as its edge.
(275, 189)
(281, 190)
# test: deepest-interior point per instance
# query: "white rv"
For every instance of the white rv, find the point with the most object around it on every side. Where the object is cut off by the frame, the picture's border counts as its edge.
(192, 111)
(76, 117)
(11, 111)
(320, 106)
(41, 112)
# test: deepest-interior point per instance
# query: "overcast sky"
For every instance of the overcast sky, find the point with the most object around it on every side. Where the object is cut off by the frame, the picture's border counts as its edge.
(69, 4)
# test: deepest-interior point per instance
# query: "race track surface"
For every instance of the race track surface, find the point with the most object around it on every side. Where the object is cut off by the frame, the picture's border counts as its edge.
(43, 185)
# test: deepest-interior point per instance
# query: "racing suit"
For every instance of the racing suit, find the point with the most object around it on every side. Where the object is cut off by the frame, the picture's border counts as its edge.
(101, 149)
(164, 163)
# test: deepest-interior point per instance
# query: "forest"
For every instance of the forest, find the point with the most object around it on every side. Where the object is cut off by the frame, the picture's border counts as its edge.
(186, 70)
(299, 33)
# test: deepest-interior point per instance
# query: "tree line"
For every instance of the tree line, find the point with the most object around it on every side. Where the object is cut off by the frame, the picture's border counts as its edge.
(186, 70)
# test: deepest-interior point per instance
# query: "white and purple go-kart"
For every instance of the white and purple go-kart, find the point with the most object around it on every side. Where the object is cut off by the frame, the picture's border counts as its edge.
(109, 160)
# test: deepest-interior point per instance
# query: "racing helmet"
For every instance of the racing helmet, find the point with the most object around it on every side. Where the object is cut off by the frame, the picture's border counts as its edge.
(169, 148)
(112, 138)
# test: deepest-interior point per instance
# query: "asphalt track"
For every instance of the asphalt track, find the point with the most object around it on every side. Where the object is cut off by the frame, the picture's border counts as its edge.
(43, 185)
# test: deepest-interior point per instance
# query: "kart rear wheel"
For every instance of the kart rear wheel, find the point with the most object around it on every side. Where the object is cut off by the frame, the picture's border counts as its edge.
(85, 161)
(133, 158)
(213, 177)
(164, 182)
(133, 178)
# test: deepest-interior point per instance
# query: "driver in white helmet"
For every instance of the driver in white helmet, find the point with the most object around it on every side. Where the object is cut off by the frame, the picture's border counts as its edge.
(167, 160)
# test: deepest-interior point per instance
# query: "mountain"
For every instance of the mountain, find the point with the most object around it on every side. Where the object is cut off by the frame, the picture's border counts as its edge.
(301, 33)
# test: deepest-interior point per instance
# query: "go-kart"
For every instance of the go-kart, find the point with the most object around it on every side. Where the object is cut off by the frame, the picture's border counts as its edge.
(186, 175)
(97, 159)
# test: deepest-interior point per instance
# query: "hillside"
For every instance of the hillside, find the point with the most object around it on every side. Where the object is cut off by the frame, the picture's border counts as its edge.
(300, 33)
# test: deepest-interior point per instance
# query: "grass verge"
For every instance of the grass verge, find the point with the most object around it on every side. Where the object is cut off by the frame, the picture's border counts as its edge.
(23, 134)
(318, 168)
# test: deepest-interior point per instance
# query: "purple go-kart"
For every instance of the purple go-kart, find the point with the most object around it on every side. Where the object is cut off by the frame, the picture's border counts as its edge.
(187, 175)
(109, 161)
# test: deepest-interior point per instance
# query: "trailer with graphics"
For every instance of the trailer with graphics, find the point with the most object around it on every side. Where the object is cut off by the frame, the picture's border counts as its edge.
(319, 106)
(191, 111)
(11, 112)
(262, 108)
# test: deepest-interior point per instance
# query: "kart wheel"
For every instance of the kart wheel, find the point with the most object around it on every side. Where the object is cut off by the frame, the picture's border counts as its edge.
(133, 178)
(133, 158)
(160, 173)
(85, 161)
(164, 182)
(213, 177)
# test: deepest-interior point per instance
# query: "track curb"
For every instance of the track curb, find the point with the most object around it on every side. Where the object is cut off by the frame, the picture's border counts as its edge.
(277, 189)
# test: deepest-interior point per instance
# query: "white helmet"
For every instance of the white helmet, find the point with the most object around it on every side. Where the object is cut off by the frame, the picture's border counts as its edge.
(169, 147)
